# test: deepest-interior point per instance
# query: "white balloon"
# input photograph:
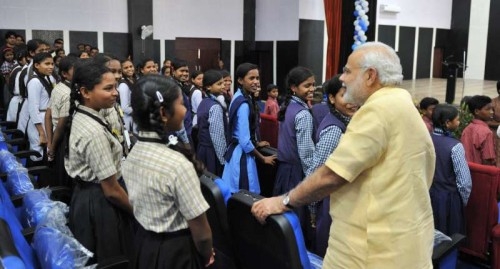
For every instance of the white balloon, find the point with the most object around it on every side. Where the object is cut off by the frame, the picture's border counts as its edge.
(365, 4)
(361, 33)
(357, 43)
(364, 38)
(356, 22)
(361, 13)
(357, 28)
(359, 8)
(364, 17)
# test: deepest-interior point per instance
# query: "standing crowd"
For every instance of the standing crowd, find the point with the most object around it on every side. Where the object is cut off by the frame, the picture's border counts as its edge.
(132, 141)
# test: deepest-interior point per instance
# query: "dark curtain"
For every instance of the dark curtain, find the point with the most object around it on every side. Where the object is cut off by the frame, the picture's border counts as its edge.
(348, 28)
(333, 17)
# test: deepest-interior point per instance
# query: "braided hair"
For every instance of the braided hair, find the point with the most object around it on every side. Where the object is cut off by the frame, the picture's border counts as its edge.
(443, 113)
(146, 109)
(295, 77)
(332, 87)
(87, 74)
(44, 79)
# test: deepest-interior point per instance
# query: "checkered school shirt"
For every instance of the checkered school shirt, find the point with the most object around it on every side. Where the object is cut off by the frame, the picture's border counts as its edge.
(216, 128)
(59, 102)
(94, 153)
(304, 127)
(461, 169)
(163, 187)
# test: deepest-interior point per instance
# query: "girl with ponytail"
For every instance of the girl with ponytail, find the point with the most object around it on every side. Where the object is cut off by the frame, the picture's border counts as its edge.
(162, 182)
(39, 89)
(240, 169)
(100, 212)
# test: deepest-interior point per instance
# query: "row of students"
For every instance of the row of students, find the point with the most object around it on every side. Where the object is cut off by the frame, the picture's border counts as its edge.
(101, 212)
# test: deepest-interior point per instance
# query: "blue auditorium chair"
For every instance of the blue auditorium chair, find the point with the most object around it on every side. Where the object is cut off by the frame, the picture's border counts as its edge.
(278, 243)
(217, 193)
(9, 256)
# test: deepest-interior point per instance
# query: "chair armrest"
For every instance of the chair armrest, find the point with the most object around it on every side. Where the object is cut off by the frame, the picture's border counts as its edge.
(28, 233)
(61, 193)
(15, 133)
(114, 263)
(446, 247)
(8, 124)
(27, 153)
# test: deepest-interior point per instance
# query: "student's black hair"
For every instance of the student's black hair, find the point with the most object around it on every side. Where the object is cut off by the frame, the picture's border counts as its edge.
(146, 107)
(19, 55)
(87, 74)
(33, 44)
(478, 102)
(164, 68)
(195, 73)
(143, 63)
(55, 58)
(225, 73)
(37, 59)
(271, 87)
(58, 50)
(210, 77)
(295, 77)
(177, 63)
(125, 79)
(443, 113)
(65, 65)
(5, 52)
(427, 102)
(82, 52)
(10, 33)
(332, 87)
(241, 71)
(498, 85)
(58, 41)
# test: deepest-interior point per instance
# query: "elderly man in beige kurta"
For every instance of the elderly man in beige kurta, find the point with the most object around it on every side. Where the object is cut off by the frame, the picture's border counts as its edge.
(379, 176)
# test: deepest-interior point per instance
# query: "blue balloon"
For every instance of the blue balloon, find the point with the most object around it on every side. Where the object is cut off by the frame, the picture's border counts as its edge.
(354, 46)
(362, 24)
(355, 13)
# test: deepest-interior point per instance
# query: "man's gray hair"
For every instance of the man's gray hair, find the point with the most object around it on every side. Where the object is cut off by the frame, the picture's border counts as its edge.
(384, 59)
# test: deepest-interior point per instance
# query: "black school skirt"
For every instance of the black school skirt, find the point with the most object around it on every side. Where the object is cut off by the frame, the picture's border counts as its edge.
(98, 225)
(174, 250)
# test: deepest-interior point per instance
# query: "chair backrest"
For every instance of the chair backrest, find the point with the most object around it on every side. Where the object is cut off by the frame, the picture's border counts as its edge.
(481, 212)
(9, 255)
(266, 172)
(216, 193)
(276, 244)
(269, 128)
(7, 213)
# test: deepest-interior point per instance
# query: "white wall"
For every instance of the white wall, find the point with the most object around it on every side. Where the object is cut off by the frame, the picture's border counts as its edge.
(195, 18)
(276, 20)
(89, 15)
(421, 13)
(478, 38)
(312, 9)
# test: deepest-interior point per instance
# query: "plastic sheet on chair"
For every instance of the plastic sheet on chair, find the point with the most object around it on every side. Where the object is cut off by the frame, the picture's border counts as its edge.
(37, 204)
(8, 161)
(18, 181)
(3, 144)
(55, 245)
(440, 237)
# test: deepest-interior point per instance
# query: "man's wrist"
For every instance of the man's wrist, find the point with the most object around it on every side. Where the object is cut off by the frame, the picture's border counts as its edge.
(286, 201)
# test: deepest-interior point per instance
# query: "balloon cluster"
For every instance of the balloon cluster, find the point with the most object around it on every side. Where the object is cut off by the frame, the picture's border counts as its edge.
(361, 23)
